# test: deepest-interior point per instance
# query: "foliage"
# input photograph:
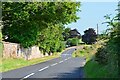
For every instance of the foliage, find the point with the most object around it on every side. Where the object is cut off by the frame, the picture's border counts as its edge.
(89, 36)
(1, 49)
(61, 47)
(113, 48)
(25, 21)
(101, 56)
(50, 39)
(72, 41)
(66, 33)
(92, 69)
(0, 36)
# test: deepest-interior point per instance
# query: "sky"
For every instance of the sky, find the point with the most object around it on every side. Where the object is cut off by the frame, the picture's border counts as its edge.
(92, 13)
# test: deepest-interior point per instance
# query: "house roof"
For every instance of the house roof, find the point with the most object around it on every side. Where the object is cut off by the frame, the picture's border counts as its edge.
(75, 30)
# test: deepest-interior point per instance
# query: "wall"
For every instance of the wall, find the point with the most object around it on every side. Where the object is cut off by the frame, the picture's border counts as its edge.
(14, 50)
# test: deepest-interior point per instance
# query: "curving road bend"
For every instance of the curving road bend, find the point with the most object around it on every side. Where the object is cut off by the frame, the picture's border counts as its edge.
(59, 68)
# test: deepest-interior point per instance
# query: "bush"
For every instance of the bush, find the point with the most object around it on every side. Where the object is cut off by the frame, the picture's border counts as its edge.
(1, 49)
(72, 41)
(61, 47)
(101, 56)
(0, 36)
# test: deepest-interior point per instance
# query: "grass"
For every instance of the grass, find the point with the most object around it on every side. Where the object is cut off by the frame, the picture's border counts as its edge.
(87, 51)
(1, 49)
(94, 70)
(78, 53)
(10, 64)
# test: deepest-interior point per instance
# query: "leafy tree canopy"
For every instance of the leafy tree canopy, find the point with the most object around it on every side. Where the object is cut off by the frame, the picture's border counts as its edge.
(23, 21)
(89, 36)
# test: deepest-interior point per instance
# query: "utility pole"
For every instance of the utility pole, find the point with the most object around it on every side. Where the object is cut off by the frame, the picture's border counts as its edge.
(97, 30)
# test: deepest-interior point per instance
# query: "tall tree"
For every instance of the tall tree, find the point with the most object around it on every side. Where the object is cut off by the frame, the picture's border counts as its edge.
(89, 36)
(23, 21)
(50, 39)
(66, 33)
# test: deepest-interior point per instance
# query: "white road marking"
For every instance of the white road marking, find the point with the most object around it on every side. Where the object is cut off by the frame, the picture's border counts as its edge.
(44, 68)
(66, 59)
(60, 61)
(83, 63)
(28, 75)
(69, 57)
(54, 64)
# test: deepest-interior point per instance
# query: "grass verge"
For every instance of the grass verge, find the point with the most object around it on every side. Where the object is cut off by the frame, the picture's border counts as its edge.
(10, 64)
(1, 49)
(94, 70)
(86, 51)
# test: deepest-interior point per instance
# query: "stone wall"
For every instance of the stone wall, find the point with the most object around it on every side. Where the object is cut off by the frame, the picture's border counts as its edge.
(14, 50)
(10, 50)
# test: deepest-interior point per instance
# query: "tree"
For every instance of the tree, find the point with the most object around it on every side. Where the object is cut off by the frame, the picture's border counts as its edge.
(66, 33)
(50, 39)
(114, 37)
(89, 36)
(23, 21)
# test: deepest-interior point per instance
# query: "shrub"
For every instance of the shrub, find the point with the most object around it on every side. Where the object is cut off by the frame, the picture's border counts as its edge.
(0, 36)
(73, 41)
(102, 55)
(85, 47)
(1, 49)
(61, 47)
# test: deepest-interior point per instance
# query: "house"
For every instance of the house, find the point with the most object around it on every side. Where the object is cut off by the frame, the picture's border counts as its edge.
(74, 34)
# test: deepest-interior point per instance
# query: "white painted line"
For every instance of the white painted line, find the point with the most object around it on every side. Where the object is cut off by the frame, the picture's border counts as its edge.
(69, 57)
(28, 75)
(83, 64)
(44, 68)
(60, 61)
(54, 64)
(66, 59)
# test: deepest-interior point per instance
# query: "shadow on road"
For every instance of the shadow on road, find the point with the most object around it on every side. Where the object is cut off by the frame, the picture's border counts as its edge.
(77, 73)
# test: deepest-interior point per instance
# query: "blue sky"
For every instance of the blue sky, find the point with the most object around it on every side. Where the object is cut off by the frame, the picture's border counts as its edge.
(92, 13)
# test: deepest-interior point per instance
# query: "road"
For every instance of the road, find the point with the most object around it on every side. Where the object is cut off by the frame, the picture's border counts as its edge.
(63, 67)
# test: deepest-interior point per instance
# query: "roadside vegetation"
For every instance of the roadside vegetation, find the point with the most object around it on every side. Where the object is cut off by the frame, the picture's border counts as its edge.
(87, 51)
(72, 42)
(96, 63)
(11, 63)
(36, 23)
(1, 49)
(103, 65)
(40, 24)
(103, 61)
